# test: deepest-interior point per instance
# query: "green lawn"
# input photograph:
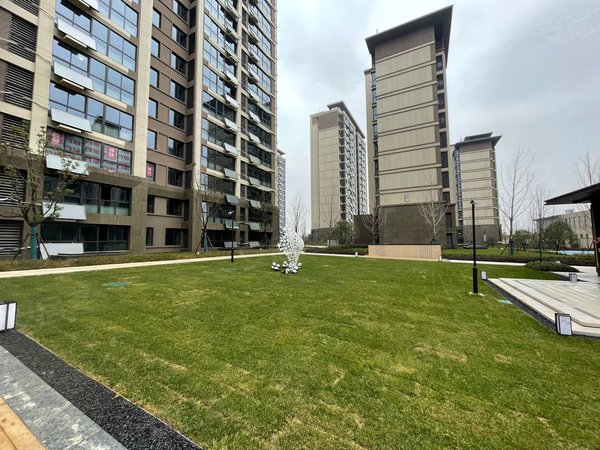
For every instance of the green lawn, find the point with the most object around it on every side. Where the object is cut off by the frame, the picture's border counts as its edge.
(350, 353)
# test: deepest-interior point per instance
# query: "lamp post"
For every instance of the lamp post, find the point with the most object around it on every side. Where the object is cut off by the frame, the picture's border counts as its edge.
(232, 215)
(475, 288)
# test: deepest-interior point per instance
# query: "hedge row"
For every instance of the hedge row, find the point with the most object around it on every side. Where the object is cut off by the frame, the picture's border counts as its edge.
(580, 260)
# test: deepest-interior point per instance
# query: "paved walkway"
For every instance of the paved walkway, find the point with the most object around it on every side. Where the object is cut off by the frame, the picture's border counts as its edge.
(581, 300)
(53, 420)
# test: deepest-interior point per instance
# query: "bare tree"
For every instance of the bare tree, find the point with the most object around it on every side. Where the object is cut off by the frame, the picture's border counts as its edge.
(330, 215)
(207, 204)
(24, 170)
(588, 169)
(433, 211)
(372, 222)
(539, 213)
(298, 212)
(515, 184)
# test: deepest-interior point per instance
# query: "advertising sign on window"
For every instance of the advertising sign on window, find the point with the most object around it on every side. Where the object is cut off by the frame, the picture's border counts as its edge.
(56, 139)
(92, 149)
(150, 171)
(110, 153)
(73, 144)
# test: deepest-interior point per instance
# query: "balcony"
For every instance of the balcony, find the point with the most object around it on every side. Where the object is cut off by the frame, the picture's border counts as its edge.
(70, 78)
(231, 101)
(74, 35)
(70, 121)
(65, 211)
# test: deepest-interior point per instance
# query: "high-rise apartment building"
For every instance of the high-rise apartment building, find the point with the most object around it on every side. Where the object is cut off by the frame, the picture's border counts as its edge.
(338, 167)
(407, 132)
(162, 100)
(281, 187)
(475, 163)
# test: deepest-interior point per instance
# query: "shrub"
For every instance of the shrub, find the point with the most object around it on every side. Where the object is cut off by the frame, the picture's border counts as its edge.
(548, 266)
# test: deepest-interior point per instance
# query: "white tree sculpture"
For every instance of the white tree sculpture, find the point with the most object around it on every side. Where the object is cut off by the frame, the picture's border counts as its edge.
(291, 244)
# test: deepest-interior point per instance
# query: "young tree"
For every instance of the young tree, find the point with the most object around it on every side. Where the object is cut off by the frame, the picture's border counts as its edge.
(558, 234)
(330, 214)
(343, 232)
(207, 205)
(24, 169)
(515, 184)
(539, 212)
(433, 211)
(372, 222)
(588, 169)
(298, 212)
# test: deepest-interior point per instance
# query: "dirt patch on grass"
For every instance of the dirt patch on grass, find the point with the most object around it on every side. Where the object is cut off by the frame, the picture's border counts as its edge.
(441, 353)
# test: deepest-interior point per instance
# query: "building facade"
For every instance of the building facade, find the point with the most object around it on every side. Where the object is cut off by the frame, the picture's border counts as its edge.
(164, 102)
(338, 168)
(407, 132)
(579, 221)
(281, 187)
(475, 168)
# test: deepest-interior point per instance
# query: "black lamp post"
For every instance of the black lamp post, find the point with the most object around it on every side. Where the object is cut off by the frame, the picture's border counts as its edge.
(232, 215)
(475, 288)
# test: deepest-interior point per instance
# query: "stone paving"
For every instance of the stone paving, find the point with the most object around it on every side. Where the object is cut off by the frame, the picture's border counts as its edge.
(581, 300)
(53, 420)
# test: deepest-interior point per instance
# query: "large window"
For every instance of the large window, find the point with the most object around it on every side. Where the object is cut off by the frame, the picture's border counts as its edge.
(97, 198)
(155, 48)
(264, 136)
(106, 79)
(215, 83)
(213, 56)
(265, 99)
(263, 59)
(174, 207)
(104, 119)
(120, 13)
(95, 153)
(209, 183)
(95, 238)
(152, 108)
(262, 39)
(156, 18)
(262, 176)
(215, 134)
(180, 10)
(173, 236)
(216, 160)
(108, 42)
(150, 171)
(265, 157)
(263, 23)
(263, 78)
(264, 116)
(216, 108)
(217, 34)
(219, 13)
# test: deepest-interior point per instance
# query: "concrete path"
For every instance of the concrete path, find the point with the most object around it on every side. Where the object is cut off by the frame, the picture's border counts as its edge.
(60, 270)
(53, 420)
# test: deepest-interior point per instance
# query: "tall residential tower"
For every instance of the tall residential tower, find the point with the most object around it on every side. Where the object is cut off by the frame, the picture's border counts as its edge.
(338, 168)
(161, 100)
(407, 132)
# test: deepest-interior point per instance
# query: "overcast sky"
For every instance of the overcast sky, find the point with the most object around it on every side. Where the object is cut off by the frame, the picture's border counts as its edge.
(528, 70)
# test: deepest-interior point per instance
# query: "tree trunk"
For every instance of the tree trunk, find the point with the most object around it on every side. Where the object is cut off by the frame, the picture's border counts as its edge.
(34, 243)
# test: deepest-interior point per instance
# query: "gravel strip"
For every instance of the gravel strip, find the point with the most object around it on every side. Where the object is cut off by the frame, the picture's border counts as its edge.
(129, 424)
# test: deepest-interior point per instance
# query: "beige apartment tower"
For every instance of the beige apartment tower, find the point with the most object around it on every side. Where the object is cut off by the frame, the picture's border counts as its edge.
(475, 166)
(407, 132)
(338, 163)
(160, 101)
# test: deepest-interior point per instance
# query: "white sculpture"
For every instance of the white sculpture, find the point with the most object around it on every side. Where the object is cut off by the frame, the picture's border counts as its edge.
(291, 244)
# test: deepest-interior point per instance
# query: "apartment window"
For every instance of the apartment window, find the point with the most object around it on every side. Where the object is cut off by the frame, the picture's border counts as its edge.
(152, 139)
(150, 204)
(443, 139)
(156, 18)
(445, 180)
(154, 77)
(441, 101)
(376, 162)
(177, 91)
(178, 63)
(175, 177)
(216, 108)
(216, 83)
(150, 171)
(374, 112)
(174, 207)
(149, 237)
(440, 81)
(155, 48)
(448, 218)
(120, 13)
(446, 197)
(152, 108)
(444, 159)
(176, 119)
(439, 62)
(216, 160)
(173, 236)
(180, 10)
(376, 149)
(442, 119)
(179, 36)
(215, 134)
(175, 148)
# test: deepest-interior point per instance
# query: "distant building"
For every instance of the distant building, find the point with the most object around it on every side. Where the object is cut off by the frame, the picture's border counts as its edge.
(475, 167)
(281, 187)
(407, 132)
(338, 167)
(579, 221)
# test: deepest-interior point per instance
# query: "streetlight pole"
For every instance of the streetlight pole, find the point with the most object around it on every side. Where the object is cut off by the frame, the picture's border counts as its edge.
(232, 215)
(475, 288)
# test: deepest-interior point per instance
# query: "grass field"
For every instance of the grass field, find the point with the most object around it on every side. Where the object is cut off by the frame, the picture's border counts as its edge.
(350, 353)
